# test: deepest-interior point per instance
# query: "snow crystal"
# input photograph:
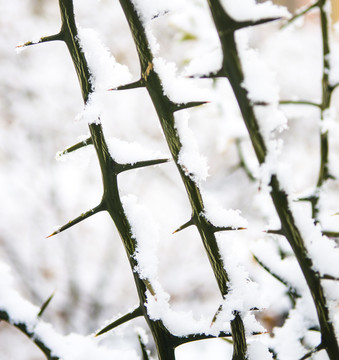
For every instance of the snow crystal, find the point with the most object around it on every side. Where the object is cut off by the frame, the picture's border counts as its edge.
(295, 327)
(179, 89)
(17, 308)
(145, 232)
(152, 41)
(333, 58)
(70, 347)
(78, 347)
(249, 10)
(259, 80)
(179, 323)
(262, 88)
(129, 153)
(158, 306)
(106, 72)
(92, 110)
(323, 251)
(149, 9)
(329, 120)
(221, 217)
(193, 164)
(287, 269)
(257, 350)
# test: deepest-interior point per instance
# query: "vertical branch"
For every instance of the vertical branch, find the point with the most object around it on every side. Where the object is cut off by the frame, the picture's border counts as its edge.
(111, 201)
(325, 105)
(165, 109)
(226, 28)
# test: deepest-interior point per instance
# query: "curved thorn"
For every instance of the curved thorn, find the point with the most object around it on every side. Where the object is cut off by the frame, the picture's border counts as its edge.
(178, 107)
(129, 316)
(45, 304)
(80, 218)
(58, 36)
(140, 164)
(77, 146)
(186, 225)
(134, 85)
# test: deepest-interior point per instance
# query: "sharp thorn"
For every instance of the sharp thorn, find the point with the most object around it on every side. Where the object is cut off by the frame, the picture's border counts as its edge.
(127, 317)
(212, 75)
(178, 107)
(45, 304)
(244, 24)
(329, 277)
(143, 349)
(276, 232)
(227, 228)
(140, 164)
(186, 225)
(80, 218)
(133, 85)
(331, 234)
(43, 39)
(77, 146)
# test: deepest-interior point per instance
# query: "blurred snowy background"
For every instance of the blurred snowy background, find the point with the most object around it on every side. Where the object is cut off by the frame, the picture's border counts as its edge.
(86, 266)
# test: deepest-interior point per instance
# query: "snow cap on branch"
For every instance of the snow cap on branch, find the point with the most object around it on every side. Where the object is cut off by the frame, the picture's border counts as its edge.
(249, 10)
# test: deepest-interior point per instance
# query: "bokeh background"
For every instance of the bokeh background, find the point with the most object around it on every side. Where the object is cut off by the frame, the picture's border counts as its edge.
(86, 267)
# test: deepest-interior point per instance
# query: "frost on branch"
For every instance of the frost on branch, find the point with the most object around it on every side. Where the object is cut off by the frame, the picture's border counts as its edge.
(23, 314)
(249, 10)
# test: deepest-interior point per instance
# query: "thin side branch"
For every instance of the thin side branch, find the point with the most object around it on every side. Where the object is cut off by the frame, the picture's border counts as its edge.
(129, 316)
(80, 218)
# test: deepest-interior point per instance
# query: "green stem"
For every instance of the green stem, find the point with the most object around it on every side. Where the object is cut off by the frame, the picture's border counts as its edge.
(325, 103)
(233, 69)
(110, 169)
(165, 109)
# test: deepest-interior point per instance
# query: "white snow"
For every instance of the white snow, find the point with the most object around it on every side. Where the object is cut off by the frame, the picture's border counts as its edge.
(257, 350)
(105, 71)
(69, 347)
(260, 81)
(287, 269)
(323, 251)
(249, 10)
(129, 153)
(294, 328)
(178, 88)
(148, 9)
(329, 122)
(146, 235)
(221, 217)
(193, 164)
